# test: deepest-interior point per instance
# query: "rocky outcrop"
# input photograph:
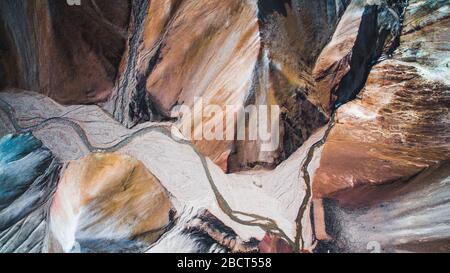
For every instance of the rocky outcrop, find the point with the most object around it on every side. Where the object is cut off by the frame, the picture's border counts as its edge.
(367, 30)
(206, 227)
(240, 53)
(395, 129)
(107, 203)
(206, 54)
(70, 53)
(283, 75)
(28, 177)
(399, 122)
(398, 217)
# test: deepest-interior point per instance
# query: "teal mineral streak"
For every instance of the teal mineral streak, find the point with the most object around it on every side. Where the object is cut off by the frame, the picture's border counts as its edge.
(28, 179)
(14, 147)
(22, 160)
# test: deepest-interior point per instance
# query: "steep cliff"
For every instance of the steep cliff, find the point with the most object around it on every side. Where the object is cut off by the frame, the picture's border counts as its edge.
(398, 125)
(70, 53)
(240, 53)
(395, 130)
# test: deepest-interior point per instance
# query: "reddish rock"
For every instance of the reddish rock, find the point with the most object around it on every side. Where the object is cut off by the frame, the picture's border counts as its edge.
(399, 124)
(274, 244)
(70, 53)
(366, 30)
(240, 53)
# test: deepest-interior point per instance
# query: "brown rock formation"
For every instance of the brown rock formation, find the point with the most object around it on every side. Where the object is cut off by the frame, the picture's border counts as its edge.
(179, 57)
(107, 203)
(70, 53)
(283, 74)
(274, 244)
(399, 124)
(206, 225)
(367, 29)
(397, 217)
(240, 53)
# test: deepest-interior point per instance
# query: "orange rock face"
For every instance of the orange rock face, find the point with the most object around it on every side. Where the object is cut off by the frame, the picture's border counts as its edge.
(205, 61)
(366, 30)
(399, 124)
(180, 58)
(107, 199)
(240, 53)
(70, 53)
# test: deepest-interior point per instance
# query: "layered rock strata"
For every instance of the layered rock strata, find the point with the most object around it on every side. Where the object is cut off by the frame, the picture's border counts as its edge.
(398, 125)
(241, 53)
(362, 164)
(399, 121)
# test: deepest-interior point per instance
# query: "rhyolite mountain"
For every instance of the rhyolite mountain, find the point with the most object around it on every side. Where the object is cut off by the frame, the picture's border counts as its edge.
(85, 115)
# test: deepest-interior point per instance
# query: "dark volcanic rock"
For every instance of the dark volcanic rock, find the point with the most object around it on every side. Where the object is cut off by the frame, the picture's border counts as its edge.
(211, 233)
